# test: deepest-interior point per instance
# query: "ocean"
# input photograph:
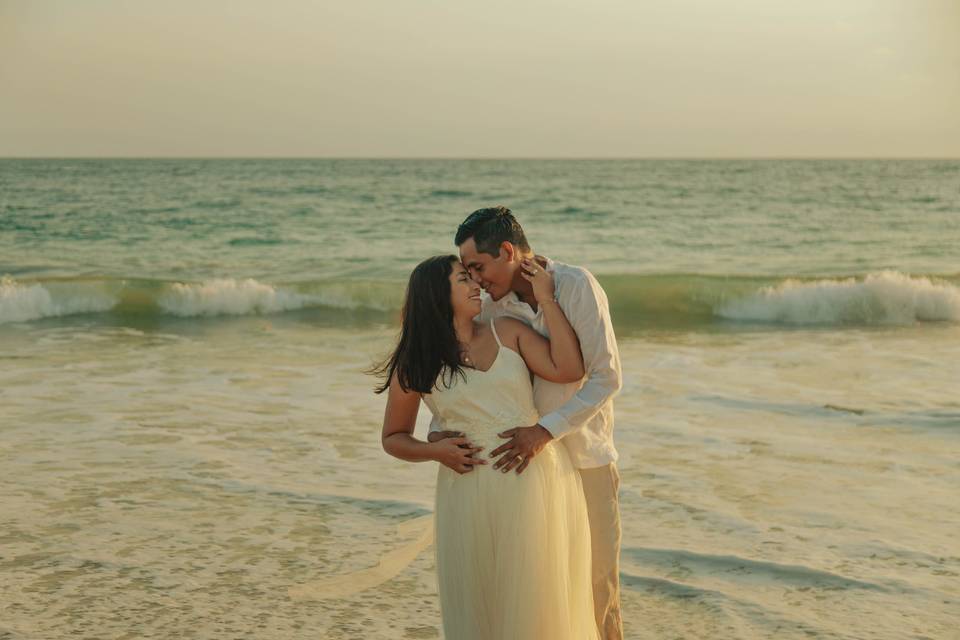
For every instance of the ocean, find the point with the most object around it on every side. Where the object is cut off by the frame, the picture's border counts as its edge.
(189, 445)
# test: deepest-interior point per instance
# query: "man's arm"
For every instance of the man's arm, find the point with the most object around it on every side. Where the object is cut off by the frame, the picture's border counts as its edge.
(587, 309)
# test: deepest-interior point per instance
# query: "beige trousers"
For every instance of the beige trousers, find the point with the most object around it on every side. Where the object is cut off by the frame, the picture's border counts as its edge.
(600, 486)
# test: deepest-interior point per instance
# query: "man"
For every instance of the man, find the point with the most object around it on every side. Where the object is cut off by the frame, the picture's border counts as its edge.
(492, 245)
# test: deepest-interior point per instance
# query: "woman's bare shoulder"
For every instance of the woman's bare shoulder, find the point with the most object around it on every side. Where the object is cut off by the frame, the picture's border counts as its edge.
(511, 328)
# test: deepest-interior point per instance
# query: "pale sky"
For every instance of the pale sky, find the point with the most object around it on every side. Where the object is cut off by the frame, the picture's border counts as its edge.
(464, 78)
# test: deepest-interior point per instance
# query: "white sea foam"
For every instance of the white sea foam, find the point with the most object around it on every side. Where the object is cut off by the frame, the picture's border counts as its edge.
(228, 296)
(888, 297)
(23, 302)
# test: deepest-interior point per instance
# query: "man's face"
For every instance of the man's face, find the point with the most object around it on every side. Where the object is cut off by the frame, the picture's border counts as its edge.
(495, 275)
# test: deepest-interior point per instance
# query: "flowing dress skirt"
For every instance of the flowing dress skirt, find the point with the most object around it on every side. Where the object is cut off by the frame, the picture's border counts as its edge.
(513, 552)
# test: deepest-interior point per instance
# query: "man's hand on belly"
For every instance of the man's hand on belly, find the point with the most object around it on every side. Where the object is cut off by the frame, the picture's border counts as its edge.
(524, 443)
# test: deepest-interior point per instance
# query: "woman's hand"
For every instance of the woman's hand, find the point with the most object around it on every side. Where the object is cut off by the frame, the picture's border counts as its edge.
(455, 453)
(437, 436)
(540, 278)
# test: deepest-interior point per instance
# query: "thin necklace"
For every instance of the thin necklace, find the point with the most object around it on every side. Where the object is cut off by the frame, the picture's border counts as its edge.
(466, 358)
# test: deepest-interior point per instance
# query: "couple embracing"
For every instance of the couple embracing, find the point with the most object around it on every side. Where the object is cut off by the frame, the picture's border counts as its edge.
(520, 383)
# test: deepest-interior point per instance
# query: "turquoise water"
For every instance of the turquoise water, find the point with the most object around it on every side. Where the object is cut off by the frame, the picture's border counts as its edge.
(190, 446)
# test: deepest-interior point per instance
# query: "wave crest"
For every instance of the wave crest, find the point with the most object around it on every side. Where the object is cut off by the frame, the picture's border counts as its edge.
(227, 296)
(670, 301)
(25, 302)
(886, 298)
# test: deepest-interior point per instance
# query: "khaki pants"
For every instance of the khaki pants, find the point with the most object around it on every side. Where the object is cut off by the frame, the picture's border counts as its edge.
(600, 486)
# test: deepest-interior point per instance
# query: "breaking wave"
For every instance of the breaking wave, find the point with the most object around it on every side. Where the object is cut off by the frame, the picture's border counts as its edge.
(886, 298)
(637, 301)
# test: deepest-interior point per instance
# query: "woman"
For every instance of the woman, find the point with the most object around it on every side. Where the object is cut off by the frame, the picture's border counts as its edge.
(512, 550)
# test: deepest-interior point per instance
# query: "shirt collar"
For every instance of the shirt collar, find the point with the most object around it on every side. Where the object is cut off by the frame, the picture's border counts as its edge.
(512, 298)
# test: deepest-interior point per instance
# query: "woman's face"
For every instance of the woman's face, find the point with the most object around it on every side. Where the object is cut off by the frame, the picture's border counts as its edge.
(464, 292)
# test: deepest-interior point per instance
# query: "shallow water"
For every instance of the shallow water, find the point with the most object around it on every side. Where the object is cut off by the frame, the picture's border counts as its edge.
(182, 482)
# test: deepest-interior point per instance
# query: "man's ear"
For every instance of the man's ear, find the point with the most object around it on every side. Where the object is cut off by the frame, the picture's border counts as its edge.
(507, 250)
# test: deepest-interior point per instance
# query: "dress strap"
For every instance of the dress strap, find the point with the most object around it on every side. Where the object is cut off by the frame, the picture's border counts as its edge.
(494, 329)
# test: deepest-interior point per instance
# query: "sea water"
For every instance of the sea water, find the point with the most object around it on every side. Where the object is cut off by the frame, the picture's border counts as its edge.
(189, 446)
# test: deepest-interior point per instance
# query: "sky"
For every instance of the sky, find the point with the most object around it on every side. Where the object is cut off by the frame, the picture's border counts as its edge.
(463, 78)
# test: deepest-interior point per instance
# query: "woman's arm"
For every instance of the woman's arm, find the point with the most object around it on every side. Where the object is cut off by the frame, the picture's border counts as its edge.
(399, 420)
(558, 359)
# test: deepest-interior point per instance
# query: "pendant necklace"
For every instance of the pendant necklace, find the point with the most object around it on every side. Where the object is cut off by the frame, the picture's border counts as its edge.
(466, 358)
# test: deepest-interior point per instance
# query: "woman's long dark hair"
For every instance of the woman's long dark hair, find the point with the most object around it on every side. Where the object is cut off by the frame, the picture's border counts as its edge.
(428, 344)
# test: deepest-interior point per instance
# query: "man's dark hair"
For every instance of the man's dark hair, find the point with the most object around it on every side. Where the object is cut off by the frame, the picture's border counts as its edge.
(489, 228)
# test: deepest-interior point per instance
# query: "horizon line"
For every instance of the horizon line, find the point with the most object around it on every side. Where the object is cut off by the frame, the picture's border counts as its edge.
(468, 158)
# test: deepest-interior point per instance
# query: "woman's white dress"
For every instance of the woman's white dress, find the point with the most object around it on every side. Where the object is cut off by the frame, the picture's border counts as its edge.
(512, 551)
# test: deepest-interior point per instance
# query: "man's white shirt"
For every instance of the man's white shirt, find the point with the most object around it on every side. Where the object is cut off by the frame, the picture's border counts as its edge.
(580, 414)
